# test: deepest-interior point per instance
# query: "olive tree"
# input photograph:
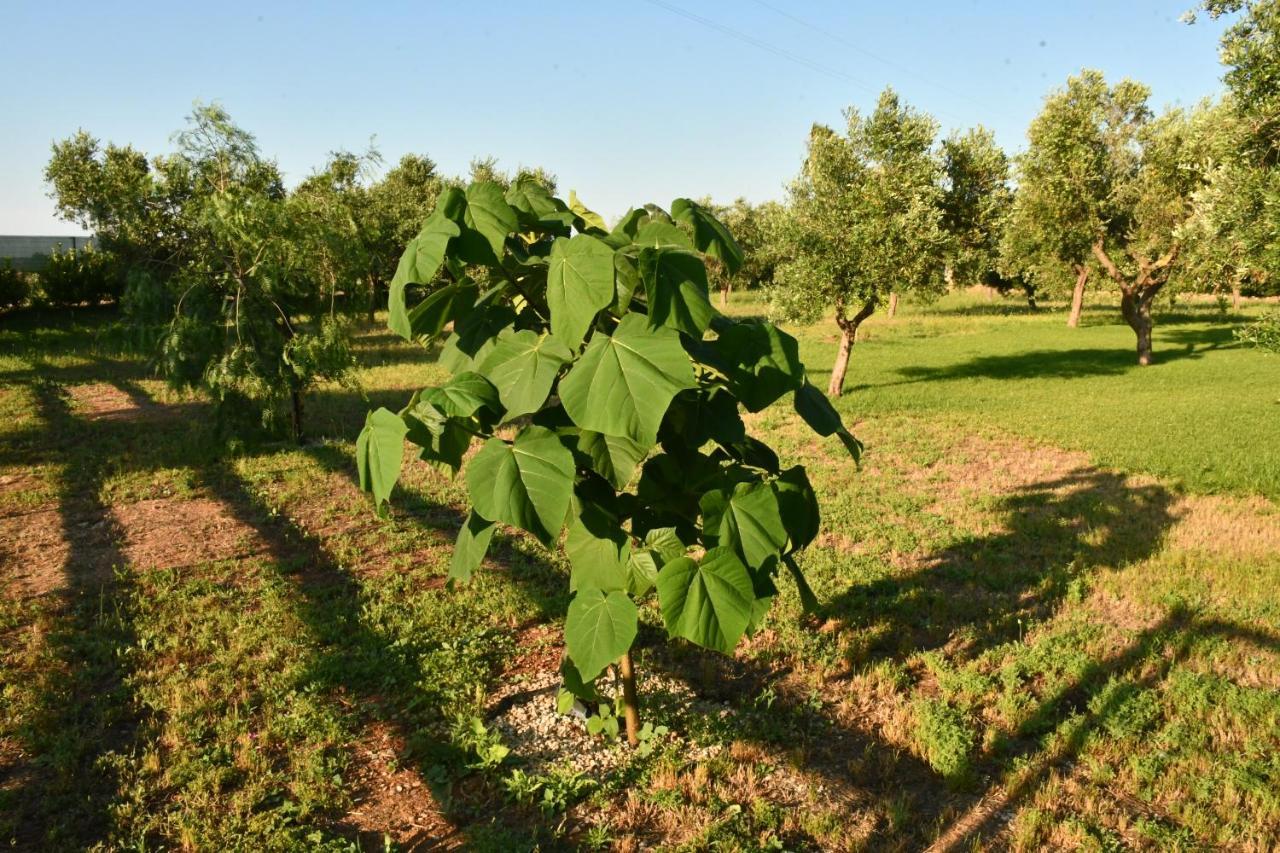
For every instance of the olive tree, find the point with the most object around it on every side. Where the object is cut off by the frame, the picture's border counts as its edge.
(866, 221)
(608, 395)
(1103, 178)
(1238, 214)
(975, 205)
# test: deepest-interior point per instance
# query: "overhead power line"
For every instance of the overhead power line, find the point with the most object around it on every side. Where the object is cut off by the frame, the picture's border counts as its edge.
(838, 39)
(762, 45)
(802, 61)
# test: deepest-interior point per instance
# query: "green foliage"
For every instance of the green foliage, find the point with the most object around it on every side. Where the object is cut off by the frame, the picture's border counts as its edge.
(80, 276)
(975, 204)
(945, 737)
(607, 391)
(248, 285)
(1263, 332)
(15, 286)
(866, 219)
(1238, 214)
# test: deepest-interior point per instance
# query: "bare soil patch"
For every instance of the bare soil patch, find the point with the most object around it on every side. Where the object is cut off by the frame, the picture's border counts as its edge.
(101, 401)
(42, 552)
(393, 801)
(167, 533)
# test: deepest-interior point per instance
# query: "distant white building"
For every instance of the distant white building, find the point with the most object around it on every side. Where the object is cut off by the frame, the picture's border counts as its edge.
(31, 253)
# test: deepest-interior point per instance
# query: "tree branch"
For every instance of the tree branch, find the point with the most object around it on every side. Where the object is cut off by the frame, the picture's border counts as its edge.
(1107, 264)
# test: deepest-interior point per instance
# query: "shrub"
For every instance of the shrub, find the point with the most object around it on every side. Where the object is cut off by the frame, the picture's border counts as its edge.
(1263, 332)
(79, 276)
(14, 286)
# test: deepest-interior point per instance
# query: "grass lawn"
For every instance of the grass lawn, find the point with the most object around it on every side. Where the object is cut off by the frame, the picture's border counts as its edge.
(1200, 417)
(1049, 618)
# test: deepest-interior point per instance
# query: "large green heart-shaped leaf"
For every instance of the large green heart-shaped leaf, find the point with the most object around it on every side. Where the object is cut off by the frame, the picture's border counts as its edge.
(380, 453)
(642, 571)
(527, 195)
(598, 628)
(613, 457)
(597, 550)
(707, 602)
(464, 395)
(522, 366)
(589, 218)
(665, 542)
(629, 226)
(817, 411)
(763, 362)
(442, 439)
(579, 285)
(748, 520)
(419, 264)
(675, 284)
(527, 483)
(798, 505)
(470, 547)
(488, 213)
(624, 382)
(710, 235)
(429, 317)
(657, 233)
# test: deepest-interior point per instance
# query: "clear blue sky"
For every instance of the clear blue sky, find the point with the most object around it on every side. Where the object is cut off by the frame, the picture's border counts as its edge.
(626, 102)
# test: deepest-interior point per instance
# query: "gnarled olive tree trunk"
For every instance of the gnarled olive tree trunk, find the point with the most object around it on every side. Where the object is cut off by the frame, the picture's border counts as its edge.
(1138, 291)
(848, 334)
(1136, 308)
(1077, 295)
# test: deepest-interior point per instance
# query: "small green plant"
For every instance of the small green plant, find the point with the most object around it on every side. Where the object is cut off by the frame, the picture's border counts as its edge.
(603, 722)
(608, 393)
(945, 738)
(1263, 333)
(470, 733)
(14, 285)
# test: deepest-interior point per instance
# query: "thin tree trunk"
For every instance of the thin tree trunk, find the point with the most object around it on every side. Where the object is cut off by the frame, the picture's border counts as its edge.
(1235, 295)
(893, 304)
(630, 705)
(295, 398)
(724, 294)
(1136, 308)
(848, 334)
(1077, 296)
(373, 299)
(1030, 290)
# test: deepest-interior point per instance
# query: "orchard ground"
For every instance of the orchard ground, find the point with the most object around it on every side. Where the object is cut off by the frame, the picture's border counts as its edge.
(1049, 617)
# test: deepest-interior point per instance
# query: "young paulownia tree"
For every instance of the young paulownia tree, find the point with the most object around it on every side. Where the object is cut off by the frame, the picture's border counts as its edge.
(608, 394)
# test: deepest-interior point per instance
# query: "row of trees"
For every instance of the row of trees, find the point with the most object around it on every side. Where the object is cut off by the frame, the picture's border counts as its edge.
(1187, 199)
(254, 287)
(250, 288)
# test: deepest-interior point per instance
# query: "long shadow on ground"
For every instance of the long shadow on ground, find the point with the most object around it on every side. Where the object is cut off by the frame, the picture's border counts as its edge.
(62, 798)
(983, 590)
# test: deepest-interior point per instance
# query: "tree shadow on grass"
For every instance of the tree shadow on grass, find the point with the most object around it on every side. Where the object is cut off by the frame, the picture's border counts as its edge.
(85, 713)
(1040, 364)
(1026, 760)
(985, 590)
(382, 673)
